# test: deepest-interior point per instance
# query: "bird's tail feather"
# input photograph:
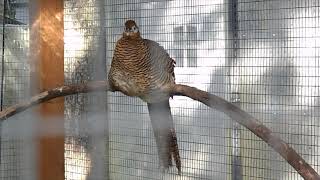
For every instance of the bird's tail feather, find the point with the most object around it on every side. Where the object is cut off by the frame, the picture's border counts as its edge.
(165, 135)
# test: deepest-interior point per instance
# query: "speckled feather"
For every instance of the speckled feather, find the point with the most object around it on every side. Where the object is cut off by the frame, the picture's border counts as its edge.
(145, 64)
(140, 67)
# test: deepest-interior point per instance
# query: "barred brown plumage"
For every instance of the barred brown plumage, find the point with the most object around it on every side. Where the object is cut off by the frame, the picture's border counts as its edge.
(141, 67)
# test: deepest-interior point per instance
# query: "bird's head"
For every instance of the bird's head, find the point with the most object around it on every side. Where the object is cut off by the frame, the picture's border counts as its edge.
(131, 29)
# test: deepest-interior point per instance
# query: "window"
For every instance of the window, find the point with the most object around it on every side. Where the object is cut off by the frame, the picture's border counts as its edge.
(185, 49)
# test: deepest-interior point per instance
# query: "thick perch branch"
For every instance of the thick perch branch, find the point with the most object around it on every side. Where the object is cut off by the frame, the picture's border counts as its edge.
(53, 93)
(234, 112)
(245, 119)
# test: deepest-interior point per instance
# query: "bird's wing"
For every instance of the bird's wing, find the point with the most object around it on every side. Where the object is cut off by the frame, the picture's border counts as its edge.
(162, 64)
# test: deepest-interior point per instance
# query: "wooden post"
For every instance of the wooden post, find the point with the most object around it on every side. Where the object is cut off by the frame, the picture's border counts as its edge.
(47, 71)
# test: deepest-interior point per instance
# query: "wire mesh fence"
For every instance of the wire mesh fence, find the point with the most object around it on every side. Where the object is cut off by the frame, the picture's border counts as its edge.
(86, 119)
(277, 80)
(14, 146)
(261, 55)
(187, 30)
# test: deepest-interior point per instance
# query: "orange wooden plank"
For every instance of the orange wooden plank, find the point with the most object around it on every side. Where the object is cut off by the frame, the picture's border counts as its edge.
(47, 71)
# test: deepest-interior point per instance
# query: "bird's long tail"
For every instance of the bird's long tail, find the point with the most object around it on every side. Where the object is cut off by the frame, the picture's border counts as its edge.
(165, 135)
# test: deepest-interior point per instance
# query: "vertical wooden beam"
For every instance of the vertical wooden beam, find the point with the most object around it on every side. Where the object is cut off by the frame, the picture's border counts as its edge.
(47, 71)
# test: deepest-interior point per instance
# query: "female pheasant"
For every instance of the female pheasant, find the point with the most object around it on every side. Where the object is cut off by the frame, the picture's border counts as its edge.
(141, 68)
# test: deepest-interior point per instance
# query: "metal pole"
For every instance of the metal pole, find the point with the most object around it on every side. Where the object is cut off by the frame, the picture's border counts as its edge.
(232, 55)
(99, 130)
(2, 73)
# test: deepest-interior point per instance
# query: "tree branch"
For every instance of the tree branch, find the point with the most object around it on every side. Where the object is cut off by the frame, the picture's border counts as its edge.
(245, 119)
(53, 93)
(234, 112)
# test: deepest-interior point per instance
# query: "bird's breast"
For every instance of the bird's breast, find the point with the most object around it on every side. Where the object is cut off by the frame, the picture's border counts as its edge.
(139, 69)
(130, 71)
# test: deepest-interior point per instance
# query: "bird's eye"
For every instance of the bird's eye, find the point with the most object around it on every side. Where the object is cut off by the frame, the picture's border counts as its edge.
(134, 28)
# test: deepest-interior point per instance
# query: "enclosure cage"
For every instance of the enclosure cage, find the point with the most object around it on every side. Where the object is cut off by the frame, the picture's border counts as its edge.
(261, 55)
